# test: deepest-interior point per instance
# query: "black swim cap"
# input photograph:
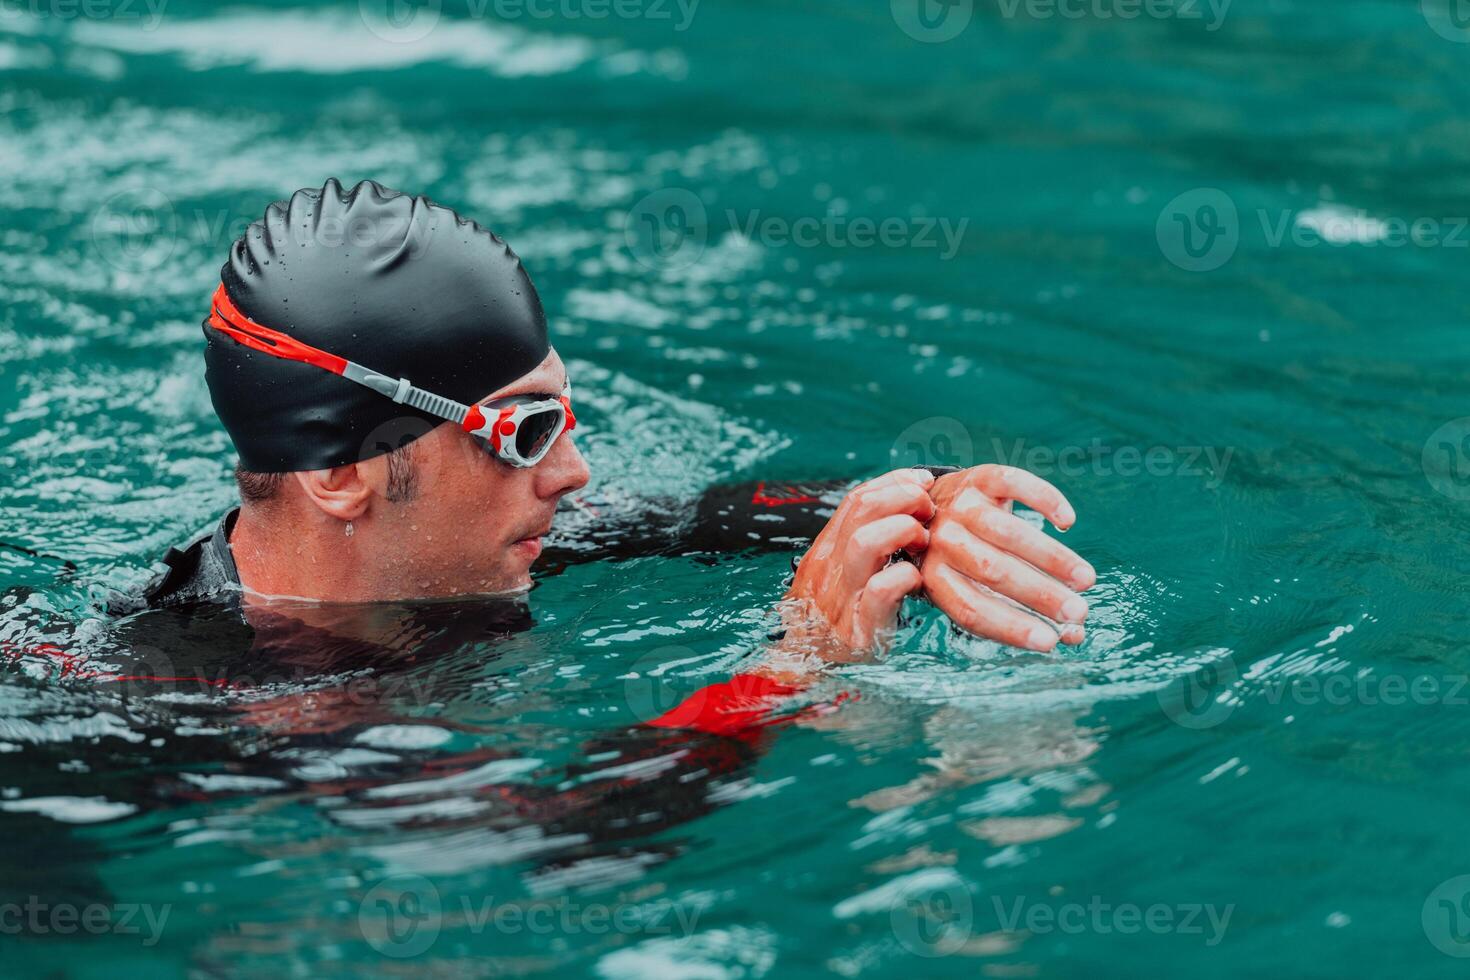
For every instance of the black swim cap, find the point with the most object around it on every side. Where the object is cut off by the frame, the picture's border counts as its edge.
(402, 286)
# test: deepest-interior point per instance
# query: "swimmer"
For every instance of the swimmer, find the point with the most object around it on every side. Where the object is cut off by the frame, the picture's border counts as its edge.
(406, 431)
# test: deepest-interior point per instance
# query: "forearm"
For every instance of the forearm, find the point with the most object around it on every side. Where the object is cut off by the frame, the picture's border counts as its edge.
(758, 516)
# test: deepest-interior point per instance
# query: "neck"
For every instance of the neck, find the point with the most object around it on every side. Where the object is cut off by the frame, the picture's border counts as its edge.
(281, 553)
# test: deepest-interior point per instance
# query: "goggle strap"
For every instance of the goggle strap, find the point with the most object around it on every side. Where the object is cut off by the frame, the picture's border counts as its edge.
(401, 390)
(437, 405)
(228, 320)
(225, 317)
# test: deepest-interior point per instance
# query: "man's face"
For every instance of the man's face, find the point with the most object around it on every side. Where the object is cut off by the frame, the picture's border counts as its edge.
(473, 524)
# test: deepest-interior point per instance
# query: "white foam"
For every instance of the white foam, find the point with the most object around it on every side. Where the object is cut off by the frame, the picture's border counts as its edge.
(71, 809)
(338, 41)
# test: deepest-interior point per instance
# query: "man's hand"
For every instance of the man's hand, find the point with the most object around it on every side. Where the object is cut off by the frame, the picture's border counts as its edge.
(845, 575)
(978, 551)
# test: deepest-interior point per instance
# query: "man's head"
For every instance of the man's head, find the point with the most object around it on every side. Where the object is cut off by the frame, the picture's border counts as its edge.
(348, 494)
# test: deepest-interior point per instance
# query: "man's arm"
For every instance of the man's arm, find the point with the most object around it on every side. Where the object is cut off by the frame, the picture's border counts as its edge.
(992, 573)
(758, 516)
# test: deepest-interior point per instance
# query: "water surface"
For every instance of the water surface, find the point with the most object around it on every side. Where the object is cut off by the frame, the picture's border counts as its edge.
(1255, 764)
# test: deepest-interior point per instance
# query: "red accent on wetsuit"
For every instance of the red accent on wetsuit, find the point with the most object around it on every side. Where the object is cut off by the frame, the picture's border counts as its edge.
(738, 707)
(71, 666)
(760, 499)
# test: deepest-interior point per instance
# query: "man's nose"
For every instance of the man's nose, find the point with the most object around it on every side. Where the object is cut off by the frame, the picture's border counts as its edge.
(563, 471)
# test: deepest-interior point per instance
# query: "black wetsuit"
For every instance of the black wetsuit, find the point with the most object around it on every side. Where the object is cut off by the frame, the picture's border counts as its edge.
(727, 519)
(206, 691)
(275, 687)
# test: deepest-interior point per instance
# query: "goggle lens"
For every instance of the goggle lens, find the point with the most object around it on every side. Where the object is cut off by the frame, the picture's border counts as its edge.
(534, 434)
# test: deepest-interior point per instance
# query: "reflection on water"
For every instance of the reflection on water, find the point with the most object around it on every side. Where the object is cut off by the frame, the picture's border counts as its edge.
(1267, 714)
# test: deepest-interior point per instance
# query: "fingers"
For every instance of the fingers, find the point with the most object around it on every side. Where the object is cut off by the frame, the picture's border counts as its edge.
(1014, 535)
(873, 544)
(892, 497)
(1009, 483)
(1006, 574)
(908, 475)
(877, 606)
(982, 613)
(894, 478)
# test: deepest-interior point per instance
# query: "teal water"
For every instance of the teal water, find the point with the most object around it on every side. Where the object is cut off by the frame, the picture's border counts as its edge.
(1207, 277)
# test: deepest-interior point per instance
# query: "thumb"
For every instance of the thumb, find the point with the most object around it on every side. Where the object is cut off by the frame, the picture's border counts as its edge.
(877, 604)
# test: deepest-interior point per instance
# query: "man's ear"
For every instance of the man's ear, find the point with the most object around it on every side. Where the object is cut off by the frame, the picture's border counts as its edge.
(342, 492)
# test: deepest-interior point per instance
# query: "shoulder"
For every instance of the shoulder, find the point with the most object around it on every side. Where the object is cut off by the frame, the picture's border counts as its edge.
(198, 570)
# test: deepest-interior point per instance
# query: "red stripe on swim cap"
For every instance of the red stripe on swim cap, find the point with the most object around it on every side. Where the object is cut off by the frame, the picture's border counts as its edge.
(225, 317)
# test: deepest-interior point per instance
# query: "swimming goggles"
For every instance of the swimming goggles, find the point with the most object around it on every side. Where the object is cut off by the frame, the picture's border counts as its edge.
(519, 430)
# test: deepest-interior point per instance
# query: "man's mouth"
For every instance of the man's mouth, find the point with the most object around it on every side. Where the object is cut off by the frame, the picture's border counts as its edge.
(530, 545)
